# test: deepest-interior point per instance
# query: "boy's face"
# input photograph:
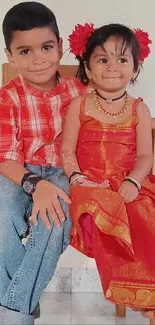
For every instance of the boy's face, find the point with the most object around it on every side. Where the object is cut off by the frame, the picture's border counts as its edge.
(36, 55)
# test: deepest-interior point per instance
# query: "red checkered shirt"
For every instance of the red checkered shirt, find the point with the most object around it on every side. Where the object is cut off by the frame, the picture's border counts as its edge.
(31, 121)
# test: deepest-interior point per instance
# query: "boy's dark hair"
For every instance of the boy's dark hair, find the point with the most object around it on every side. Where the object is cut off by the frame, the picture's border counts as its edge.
(100, 36)
(26, 16)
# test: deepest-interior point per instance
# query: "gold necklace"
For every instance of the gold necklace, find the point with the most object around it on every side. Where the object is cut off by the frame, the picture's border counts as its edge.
(102, 109)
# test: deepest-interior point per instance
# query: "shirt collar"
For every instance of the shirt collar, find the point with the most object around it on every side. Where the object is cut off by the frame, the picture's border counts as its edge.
(38, 93)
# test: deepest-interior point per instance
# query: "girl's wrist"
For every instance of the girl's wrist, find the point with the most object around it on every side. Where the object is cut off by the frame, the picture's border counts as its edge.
(133, 181)
(77, 178)
(74, 174)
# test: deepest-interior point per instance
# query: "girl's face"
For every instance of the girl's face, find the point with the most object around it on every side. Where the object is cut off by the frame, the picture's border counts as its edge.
(109, 69)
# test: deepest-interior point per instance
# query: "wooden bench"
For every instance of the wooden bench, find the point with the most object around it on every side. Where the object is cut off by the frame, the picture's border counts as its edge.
(9, 73)
(121, 312)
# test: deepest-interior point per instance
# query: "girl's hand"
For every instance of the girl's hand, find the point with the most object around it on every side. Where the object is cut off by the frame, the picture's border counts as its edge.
(81, 181)
(128, 192)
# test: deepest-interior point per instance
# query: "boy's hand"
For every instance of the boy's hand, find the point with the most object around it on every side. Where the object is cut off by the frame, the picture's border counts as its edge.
(128, 192)
(46, 203)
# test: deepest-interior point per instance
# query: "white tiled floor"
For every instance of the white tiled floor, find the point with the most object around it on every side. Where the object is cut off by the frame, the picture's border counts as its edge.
(82, 308)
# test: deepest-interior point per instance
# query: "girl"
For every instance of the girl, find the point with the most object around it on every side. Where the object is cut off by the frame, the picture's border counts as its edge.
(107, 140)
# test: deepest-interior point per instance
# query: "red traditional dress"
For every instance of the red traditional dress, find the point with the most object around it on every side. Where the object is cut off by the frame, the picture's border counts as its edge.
(121, 237)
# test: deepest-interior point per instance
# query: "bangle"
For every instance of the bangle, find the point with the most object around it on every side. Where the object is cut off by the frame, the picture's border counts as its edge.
(73, 174)
(133, 181)
(76, 178)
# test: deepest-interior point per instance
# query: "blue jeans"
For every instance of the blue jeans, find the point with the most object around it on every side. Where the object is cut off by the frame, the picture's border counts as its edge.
(26, 270)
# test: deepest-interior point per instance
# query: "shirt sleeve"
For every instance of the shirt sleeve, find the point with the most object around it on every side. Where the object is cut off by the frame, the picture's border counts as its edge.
(11, 144)
(83, 89)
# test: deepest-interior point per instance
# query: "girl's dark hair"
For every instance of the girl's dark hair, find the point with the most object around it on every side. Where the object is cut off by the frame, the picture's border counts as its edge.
(27, 16)
(99, 37)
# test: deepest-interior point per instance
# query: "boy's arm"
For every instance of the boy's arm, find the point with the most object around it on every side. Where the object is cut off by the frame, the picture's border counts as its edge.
(11, 154)
(45, 197)
(12, 170)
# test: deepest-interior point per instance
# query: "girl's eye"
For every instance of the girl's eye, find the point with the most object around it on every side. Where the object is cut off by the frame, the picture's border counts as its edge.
(122, 60)
(25, 52)
(47, 47)
(103, 61)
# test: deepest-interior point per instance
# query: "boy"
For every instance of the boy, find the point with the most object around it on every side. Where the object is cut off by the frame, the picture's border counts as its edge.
(31, 112)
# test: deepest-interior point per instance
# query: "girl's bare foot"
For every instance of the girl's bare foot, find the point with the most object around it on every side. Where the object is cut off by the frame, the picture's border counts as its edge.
(148, 314)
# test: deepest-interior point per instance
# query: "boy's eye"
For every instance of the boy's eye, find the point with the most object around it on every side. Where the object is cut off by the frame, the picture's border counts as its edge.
(25, 52)
(122, 60)
(103, 61)
(47, 47)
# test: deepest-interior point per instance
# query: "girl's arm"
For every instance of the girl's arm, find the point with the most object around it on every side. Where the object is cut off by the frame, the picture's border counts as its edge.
(70, 138)
(144, 159)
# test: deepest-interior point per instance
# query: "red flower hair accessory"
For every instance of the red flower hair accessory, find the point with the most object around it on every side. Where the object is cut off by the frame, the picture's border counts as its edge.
(144, 41)
(78, 38)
